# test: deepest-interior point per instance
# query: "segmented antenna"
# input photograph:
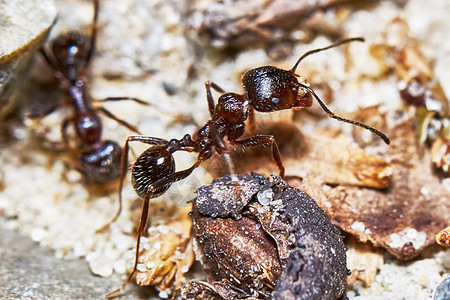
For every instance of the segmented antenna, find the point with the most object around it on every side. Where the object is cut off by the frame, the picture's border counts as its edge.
(334, 116)
(355, 39)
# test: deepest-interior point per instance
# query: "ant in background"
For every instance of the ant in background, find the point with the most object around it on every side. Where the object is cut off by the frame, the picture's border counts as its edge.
(267, 89)
(98, 160)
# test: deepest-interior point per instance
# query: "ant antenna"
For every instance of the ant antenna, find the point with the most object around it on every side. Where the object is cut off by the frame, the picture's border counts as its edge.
(93, 41)
(332, 115)
(356, 39)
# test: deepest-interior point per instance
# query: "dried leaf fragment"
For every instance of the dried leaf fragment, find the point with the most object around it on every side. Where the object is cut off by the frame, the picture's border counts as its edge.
(168, 254)
(443, 237)
(419, 89)
(239, 24)
(405, 217)
(363, 260)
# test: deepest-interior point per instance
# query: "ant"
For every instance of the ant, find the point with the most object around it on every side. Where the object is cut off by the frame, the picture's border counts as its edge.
(267, 89)
(98, 160)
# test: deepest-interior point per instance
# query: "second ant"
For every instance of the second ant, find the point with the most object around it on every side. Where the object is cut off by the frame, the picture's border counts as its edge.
(98, 160)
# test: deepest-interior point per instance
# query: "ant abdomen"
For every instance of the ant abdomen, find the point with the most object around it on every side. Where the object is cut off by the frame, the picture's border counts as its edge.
(103, 165)
(152, 165)
(271, 89)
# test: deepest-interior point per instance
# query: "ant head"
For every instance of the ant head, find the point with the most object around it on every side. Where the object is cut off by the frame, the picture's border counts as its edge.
(271, 89)
(152, 165)
(71, 52)
(102, 165)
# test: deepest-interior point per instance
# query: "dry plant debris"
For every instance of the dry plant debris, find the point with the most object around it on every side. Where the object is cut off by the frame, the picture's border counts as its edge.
(59, 206)
(402, 216)
(443, 237)
(240, 24)
(363, 260)
(280, 245)
(167, 251)
(419, 89)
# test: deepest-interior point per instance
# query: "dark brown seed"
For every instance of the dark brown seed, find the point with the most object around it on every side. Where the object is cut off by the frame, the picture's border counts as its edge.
(277, 245)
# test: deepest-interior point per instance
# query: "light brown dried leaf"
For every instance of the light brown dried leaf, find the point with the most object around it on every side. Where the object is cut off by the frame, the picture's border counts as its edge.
(404, 218)
(443, 237)
(363, 260)
(169, 253)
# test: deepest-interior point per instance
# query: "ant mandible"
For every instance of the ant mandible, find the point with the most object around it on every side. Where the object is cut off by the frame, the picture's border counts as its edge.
(98, 160)
(267, 89)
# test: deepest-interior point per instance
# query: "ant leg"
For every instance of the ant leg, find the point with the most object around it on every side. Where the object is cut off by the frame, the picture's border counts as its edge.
(144, 216)
(65, 137)
(137, 100)
(251, 120)
(124, 168)
(259, 140)
(50, 62)
(125, 98)
(209, 97)
(64, 145)
(222, 149)
(141, 229)
(52, 108)
(216, 87)
(93, 33)
(120, 121)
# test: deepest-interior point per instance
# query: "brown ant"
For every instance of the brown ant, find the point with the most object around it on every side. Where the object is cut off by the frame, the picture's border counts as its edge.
(98, 160)
(267, 89)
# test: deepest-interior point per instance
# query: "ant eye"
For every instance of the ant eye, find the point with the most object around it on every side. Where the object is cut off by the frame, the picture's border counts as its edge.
(275, 101)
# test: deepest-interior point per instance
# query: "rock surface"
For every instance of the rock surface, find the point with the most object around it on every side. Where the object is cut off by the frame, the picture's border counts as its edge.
(29, 271)
(23, 27)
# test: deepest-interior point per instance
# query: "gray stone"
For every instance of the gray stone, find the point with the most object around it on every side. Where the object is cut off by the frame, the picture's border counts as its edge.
(28, 271)
(23, 27)
(442, 291)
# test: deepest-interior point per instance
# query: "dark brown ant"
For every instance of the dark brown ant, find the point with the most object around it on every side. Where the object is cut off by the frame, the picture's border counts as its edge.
(267, 89)
(271, 89)
(98, 160)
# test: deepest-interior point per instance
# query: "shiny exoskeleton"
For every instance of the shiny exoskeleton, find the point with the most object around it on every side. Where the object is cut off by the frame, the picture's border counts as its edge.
(98, 160)
(267, 89)
(271, 89)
